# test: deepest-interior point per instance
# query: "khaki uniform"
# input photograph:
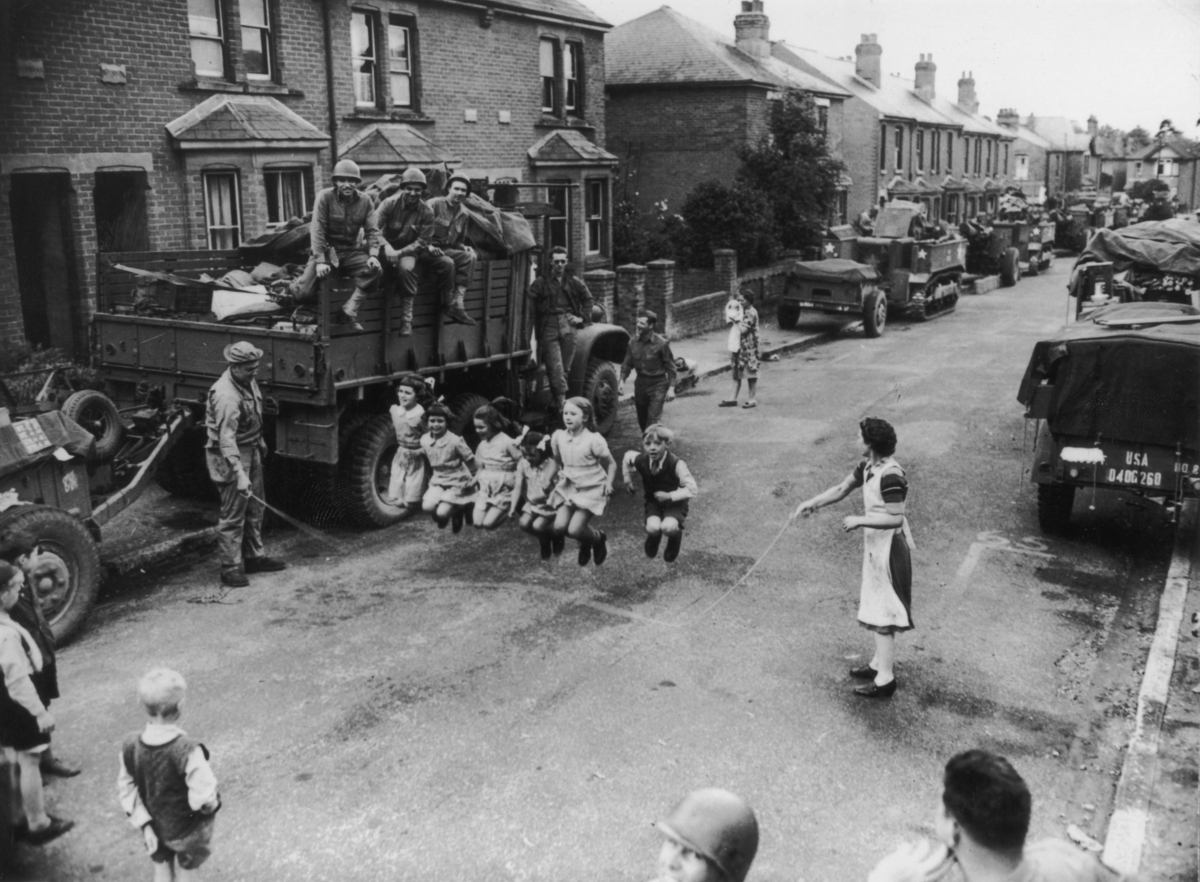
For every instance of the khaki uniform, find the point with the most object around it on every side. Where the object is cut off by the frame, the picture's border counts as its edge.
(233, 420)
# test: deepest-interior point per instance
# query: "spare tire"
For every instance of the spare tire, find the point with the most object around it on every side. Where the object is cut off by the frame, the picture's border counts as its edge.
(1010, 267)
(66, 576)
(602, 388)
(365, 471)
(96, 413)
(463, 422)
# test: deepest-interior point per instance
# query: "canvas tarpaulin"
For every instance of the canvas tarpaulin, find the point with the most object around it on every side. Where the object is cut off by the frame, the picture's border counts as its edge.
(1138, 385)
(835, 270)
(1170, 246)
(21, 448)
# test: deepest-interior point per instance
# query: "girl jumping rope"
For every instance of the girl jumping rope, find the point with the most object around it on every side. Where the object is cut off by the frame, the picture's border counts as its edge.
(409, 468)
(586, 480)
(452, 486)
(498, 455)
(537, 474)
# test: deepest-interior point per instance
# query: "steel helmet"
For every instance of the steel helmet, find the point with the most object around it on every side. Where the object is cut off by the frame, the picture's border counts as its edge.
(413, 176)
(347, 168)
(718, 825)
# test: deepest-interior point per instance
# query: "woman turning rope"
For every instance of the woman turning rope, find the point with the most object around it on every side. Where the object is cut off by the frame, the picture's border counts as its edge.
(885, 602)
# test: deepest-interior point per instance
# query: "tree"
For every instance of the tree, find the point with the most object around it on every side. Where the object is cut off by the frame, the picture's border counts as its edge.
(791, 167)
(1145, 190)
(1138, 138)
(716, 216)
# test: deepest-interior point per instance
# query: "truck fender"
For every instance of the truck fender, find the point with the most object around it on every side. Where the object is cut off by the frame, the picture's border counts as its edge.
(599, 340)
(1045, 454)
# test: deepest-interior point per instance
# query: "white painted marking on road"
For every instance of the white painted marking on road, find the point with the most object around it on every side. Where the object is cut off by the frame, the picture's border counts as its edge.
(1131, 808)
(990, 539)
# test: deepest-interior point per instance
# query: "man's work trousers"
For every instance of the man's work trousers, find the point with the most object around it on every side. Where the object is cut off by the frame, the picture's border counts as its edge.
(558, 349)
(454, 271)
(649, 396)
(406, 275)
(239, 530)
(352, 264)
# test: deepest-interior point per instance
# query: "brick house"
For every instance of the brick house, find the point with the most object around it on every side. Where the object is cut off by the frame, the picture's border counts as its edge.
(682, 99)
(186, 124)
(1030, 165)
(1070, 165)
(1174, 161)
(904, 140)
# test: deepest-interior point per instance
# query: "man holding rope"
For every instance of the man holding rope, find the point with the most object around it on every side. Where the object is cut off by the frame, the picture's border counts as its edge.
(234, 455)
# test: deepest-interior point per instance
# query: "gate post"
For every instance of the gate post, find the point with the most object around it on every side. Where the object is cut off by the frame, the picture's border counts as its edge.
(602, 283)
(631, 294)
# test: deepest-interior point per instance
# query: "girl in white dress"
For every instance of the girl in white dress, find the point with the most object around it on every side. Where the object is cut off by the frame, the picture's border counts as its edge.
(498, 455)
(585, 481)
(886, 597)
(410, 470)
(537, 474)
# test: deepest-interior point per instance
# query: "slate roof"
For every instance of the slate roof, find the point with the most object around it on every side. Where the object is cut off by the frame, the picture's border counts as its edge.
(569, 146)
(242, 118)
(394, 145)
(1027, 134)
(571, 10)
(665, 46)
(1062, 133)
(1185, 149)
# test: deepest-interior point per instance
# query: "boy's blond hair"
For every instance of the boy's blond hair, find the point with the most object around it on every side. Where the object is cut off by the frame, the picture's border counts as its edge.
(658, 432)
(161, 690)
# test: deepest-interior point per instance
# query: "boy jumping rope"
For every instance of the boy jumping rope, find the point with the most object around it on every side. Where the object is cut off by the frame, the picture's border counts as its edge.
(668, 484)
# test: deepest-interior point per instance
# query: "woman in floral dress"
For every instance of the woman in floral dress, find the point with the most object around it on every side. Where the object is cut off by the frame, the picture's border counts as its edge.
(745, 359)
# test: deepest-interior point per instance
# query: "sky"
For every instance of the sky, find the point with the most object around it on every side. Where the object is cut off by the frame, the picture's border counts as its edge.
(1128, 62)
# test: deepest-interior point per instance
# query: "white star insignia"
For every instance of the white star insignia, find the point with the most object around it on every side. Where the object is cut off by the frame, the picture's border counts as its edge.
(922, 253)
(829, 249)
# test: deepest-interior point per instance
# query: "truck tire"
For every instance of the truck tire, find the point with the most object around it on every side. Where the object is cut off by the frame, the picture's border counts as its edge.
(1054, 506)
(788, 315)
(67, 575)
(601, 388)
(875, 314)
(183, 471)
(96, 412)
(365, 473)
(462, 423)
(1010, 268)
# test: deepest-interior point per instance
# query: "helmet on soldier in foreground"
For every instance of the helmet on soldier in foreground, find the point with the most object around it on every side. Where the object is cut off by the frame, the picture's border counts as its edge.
(413, 176)
(718, 825)
(347, 168)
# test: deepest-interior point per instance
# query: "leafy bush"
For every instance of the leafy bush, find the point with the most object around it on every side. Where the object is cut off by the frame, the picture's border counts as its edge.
(1146, 189)
(640, 238)
(716, 216)
(40, 362)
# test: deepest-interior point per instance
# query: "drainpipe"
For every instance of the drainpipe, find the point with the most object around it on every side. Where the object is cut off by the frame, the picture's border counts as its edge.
(333, 138)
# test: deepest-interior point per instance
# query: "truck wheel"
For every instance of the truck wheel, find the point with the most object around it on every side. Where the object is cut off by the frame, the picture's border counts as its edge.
(1054, 506)
(183, 471)
(463, 423)
(788, 315)
(875, 314)
(1010, 267)
(67, 575)
(601, 388)
(366, 472)
(96, 412)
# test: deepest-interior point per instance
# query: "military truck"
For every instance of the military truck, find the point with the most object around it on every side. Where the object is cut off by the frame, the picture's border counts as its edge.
(327, 387)
(903, 267)
(1010, 249)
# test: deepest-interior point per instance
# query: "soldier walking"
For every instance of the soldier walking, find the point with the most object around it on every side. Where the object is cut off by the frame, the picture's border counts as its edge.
(234, 454)
(649, 354)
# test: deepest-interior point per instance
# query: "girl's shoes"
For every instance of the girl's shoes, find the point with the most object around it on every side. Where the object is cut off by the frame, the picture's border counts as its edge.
(456, 521)
(469, 515)
(600, 552)
(547, 550)
(652, 542)
(585, 552)
(441, 522)
(673, 543)
(871, 690)
(864, 672)
(557, 543)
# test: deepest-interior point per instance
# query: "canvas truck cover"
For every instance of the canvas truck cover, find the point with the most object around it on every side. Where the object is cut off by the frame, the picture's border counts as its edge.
(1139, 385)
(1171, 246)
(835, 270)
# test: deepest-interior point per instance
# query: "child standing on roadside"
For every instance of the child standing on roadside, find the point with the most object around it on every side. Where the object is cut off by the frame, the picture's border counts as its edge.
(452, 483)
(668, 485)
(409, 468)
(165, 784)
(585, 482)
(537, 474)
(498, 455)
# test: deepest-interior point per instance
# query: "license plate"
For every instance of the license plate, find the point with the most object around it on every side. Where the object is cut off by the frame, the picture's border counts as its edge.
(1150, 468)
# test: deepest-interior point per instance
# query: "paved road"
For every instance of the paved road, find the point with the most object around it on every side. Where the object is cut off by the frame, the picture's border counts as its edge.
(414, 705)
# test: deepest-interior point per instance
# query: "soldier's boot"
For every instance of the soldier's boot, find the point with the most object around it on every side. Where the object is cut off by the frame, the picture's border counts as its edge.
(406, 317)
(457, 311)
(350, 308)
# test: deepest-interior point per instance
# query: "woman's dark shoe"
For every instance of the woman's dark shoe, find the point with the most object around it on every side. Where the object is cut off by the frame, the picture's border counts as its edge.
(557, 544)
(59, 769)
(600, 552)
(864, 672)
(873, 691)
(652, 542)
(547, 550)
(673, 543)
(456, 521)
(585, 553)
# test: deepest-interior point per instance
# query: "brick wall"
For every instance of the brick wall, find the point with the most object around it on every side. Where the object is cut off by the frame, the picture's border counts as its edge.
(860, 152)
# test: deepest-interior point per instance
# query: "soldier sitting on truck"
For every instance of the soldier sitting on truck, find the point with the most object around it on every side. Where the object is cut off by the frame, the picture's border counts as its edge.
(406, 225)
(234, 421)
(449, 244)
(339, 215)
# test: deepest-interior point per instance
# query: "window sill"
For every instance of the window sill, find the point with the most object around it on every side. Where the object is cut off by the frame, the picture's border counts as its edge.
(211, 84)
(366, 114)
(548, 121)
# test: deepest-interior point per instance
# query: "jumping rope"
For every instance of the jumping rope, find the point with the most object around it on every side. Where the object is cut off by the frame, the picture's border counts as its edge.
(754, 567)
(302, 527)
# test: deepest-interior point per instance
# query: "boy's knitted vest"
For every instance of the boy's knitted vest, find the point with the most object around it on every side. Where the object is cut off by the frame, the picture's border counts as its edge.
(666, 481)
(160, 772)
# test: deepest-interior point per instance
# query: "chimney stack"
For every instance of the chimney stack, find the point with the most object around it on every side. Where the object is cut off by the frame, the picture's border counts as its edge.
(966, 93)
(752, 29)
(867, 64)
(1008, 118)
(1093, 125)
(926, 70)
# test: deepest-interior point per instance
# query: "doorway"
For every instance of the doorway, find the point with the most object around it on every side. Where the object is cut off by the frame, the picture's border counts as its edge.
(47, 276)
(121, 222)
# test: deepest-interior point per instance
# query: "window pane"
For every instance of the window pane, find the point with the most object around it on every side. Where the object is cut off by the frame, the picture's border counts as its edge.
(254, 52)
(594, 237)
(208, 57)
(398, 47)
(254, 12)
(572, 94)
(401, 90)
(204, 18)
(220, 199)
(547, 58)
(361, 39)
(547, 93)
(571, 61)
(595, 197)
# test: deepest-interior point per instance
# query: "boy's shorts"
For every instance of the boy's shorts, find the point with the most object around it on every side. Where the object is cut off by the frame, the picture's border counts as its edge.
(676, 510)
(189, 852)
